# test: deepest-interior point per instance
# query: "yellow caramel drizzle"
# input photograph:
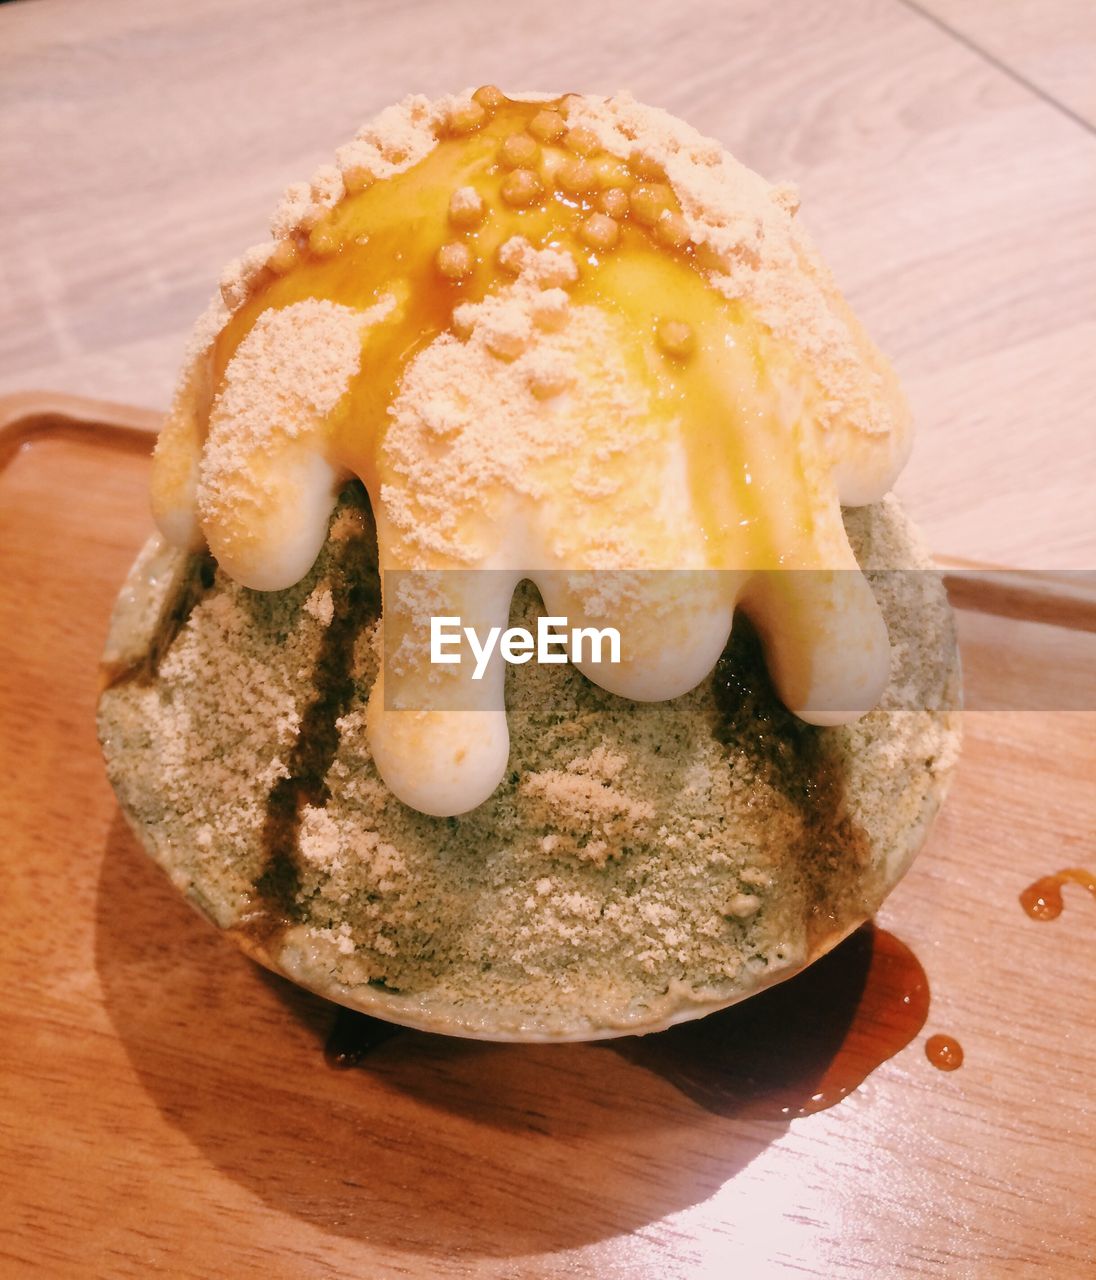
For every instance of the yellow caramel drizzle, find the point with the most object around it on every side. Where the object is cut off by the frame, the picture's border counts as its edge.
(757, 482)
(746, 473)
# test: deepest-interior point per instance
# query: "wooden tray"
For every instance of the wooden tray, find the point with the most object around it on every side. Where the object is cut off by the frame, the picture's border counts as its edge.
(166, 1108)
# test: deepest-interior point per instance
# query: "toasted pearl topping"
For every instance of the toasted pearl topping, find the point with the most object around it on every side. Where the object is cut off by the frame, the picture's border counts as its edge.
(547, 126)
(466, 207)
(599, 231)
(323, 239)
(614, 202)
(648, 202)
(581, 141)
(670, 229)
(577, 177)
(467, 118)
(548, 382)
(490, 97)
(503, 330)
(519, 151)
(357, 177)
(521, 187)
(676, 338)
(455, 260)
(646, 167)
(284, 256)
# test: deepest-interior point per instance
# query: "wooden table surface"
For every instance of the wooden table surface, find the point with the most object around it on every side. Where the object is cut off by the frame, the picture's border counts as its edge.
(163, 1109)
(945, 152)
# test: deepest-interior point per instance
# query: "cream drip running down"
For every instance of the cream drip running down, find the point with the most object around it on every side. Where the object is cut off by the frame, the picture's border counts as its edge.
(550, 337)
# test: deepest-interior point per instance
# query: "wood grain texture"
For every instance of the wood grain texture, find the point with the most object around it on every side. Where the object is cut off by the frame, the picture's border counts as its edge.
(26, 415)
(165, 1108)
(1057, 599)
(143, 146)
(1050, 43)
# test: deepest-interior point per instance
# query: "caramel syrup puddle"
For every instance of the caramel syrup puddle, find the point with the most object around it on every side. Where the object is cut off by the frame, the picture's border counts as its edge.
(797, 1048)
(1042, 900)
(805, 1043)
(353, 1035)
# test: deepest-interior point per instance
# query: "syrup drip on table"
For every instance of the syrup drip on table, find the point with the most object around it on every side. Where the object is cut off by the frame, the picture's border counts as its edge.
(798, 1048)
(944, 1052)
(353, 1035)
(1043, 899)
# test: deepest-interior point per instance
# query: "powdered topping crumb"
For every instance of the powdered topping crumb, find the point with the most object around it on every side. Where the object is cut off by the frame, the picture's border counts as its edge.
(578, 397)
(764, 255)
(488, 418)
(290, 371)
(320, 606)
(594, 816)
(503, 919)
(391, 143)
